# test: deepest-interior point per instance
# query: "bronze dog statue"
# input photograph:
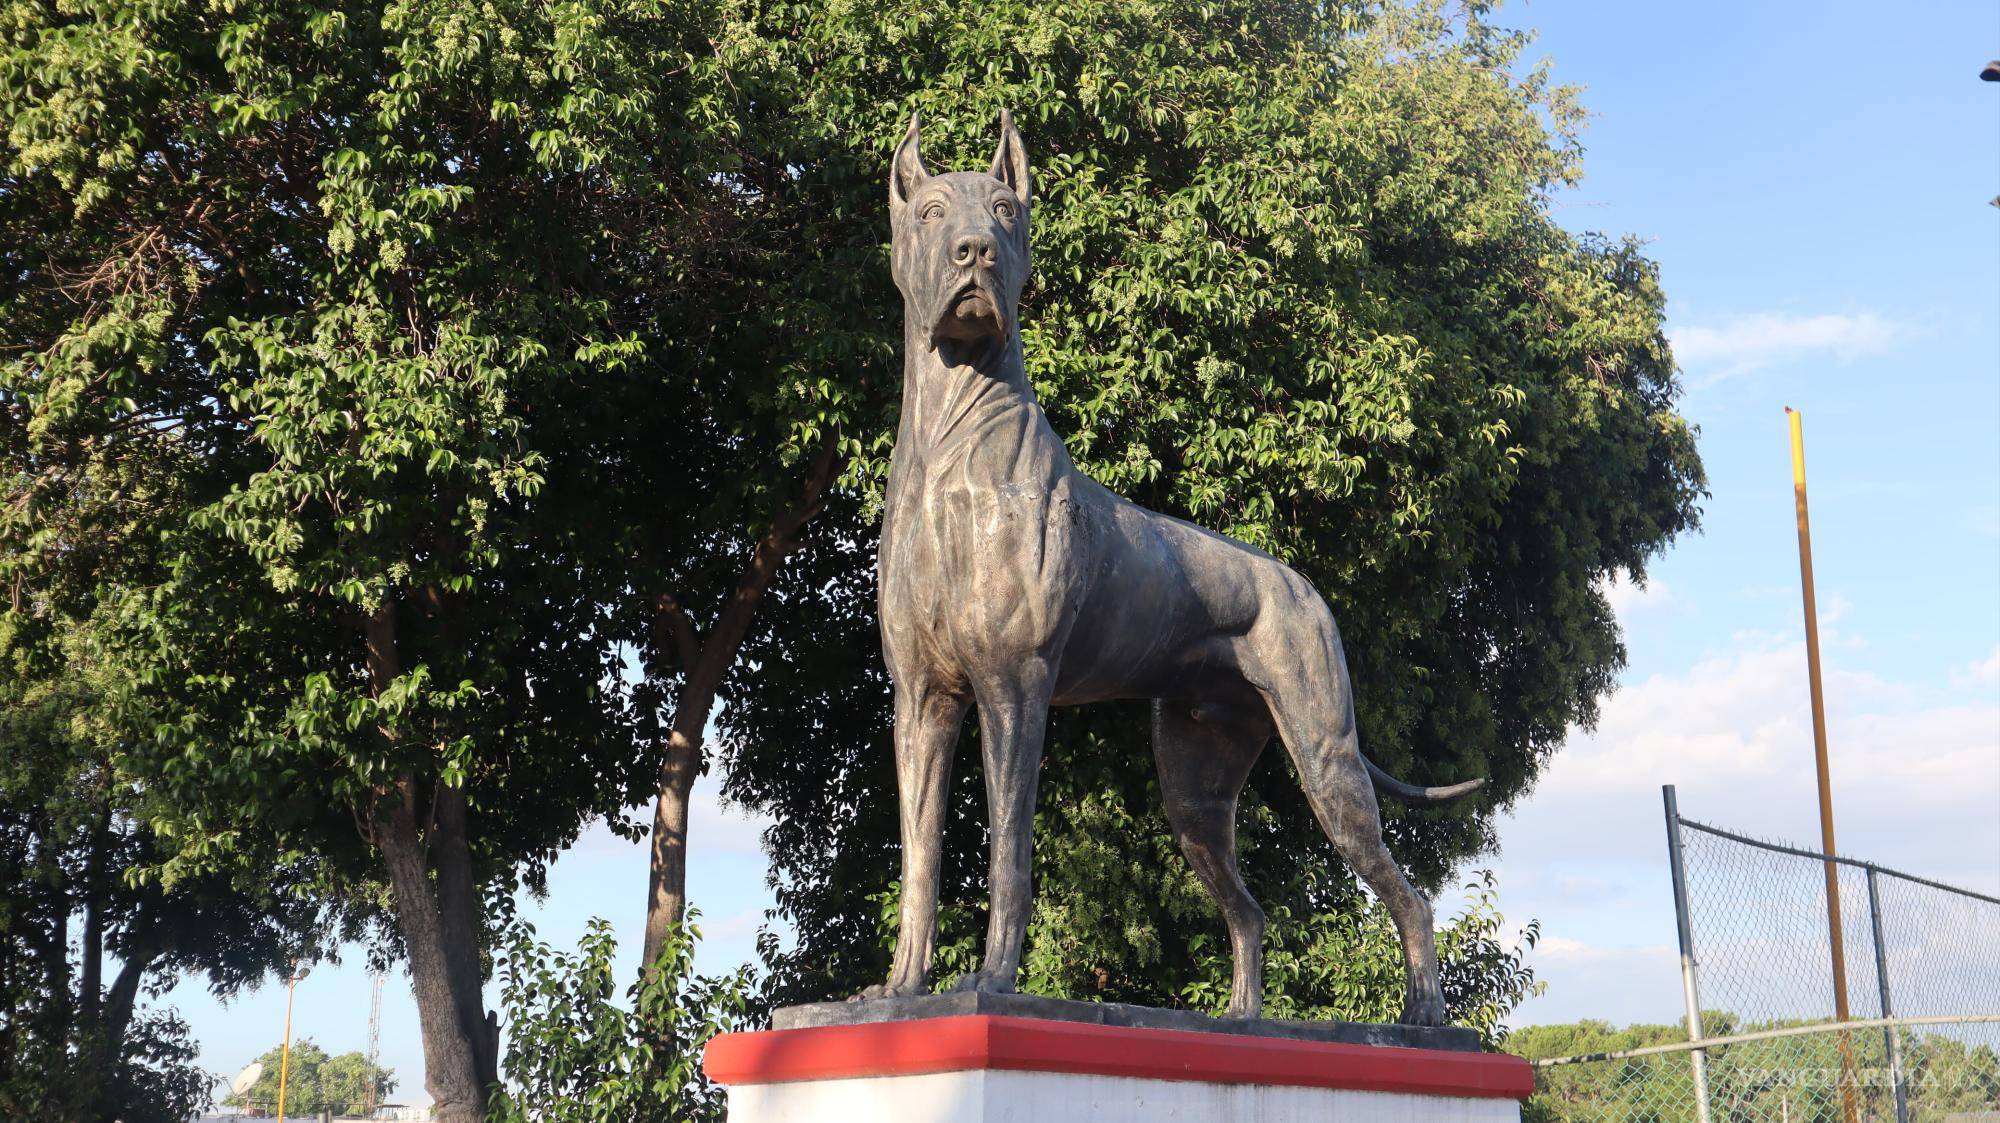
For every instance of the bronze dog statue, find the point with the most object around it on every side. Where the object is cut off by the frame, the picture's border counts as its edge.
(1011, 581)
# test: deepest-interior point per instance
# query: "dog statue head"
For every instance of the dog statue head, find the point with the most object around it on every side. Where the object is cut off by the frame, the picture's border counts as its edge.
(959, 248)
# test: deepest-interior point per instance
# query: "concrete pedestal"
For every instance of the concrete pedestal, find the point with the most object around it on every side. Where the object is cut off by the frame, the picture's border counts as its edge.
(996, 1068)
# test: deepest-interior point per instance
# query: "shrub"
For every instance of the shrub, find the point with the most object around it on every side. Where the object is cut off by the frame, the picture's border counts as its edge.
(574, 1055)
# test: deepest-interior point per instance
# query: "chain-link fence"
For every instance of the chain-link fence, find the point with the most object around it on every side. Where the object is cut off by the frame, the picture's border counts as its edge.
(1900, 1025)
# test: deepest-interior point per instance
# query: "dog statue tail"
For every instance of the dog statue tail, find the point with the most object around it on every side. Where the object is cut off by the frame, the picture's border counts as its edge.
(1411, 793)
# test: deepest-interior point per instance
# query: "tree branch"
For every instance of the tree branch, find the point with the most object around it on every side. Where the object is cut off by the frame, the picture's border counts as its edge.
(666, 900)
(668, 614)
(733, 623)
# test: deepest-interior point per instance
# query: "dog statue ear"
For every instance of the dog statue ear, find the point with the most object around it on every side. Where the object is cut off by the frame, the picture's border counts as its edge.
(906, 169)
(1010, 160)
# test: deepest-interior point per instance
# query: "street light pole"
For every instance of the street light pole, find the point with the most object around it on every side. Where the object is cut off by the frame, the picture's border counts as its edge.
(285, 1051)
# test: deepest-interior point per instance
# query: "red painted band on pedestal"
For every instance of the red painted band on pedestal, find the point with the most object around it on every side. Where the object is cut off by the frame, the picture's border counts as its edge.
(988, 1041)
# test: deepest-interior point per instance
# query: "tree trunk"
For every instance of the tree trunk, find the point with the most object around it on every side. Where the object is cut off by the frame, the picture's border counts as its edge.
(102, 1017)
(704, 663)
(115, 1016)
(458, 915)
(90, 987)
(95, 1053)
(666, 900)
(123, 996)
(451, 1054)
(56, 948)
(440, 928)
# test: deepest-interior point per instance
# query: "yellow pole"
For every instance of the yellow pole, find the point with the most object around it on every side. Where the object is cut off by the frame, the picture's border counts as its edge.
(1836, 945)
(285, 1054)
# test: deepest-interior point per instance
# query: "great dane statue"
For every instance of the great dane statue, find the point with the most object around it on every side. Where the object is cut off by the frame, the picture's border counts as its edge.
(1011, 581)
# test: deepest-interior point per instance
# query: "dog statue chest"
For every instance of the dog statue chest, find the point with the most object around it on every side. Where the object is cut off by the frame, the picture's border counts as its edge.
(968, 544)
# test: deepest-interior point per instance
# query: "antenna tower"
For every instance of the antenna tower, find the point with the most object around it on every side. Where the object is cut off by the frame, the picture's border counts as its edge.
(374, 1047)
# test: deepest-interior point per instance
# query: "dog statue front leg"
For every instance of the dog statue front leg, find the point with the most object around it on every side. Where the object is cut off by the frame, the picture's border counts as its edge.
(1012, 724)
(927, 725)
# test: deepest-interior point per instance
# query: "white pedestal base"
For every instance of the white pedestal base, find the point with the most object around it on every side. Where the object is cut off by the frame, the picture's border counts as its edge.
(985, 1068)
(997, 1096)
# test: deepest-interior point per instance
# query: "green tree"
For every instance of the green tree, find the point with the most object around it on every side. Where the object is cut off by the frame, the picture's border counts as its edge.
(83, 934)
(1295, 278)
(80, 942)
(356, 277)
(315, 1081)
(576, 1056)
(1656, 1087)
(1785, 1078)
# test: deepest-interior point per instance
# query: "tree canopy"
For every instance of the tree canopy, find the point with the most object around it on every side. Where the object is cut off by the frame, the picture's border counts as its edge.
(315, 1081)
(84, 934)
(1295, 277)
(1946, 1071)
(338, 272)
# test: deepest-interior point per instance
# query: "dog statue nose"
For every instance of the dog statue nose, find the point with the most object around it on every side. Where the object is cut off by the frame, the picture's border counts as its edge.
(974, 248)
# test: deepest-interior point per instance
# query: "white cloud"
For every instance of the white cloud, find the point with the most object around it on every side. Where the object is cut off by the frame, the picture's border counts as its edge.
(1620, 984)
(1981, 673)
(713, 828)
(1983, 521)
(718, 827)
(1629, 599)
(1916, 779)
(1743, 343)
(738, 927)
(1734, 734)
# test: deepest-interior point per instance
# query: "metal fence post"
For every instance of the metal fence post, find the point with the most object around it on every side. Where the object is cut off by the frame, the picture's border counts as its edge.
(1891, 1035)
(1689, 988)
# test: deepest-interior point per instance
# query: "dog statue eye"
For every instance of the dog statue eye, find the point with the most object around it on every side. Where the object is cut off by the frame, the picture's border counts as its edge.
(932, 210)
(1004, 208)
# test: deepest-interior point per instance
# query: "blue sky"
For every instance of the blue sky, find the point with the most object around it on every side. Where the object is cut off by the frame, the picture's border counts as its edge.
(1813, 179)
